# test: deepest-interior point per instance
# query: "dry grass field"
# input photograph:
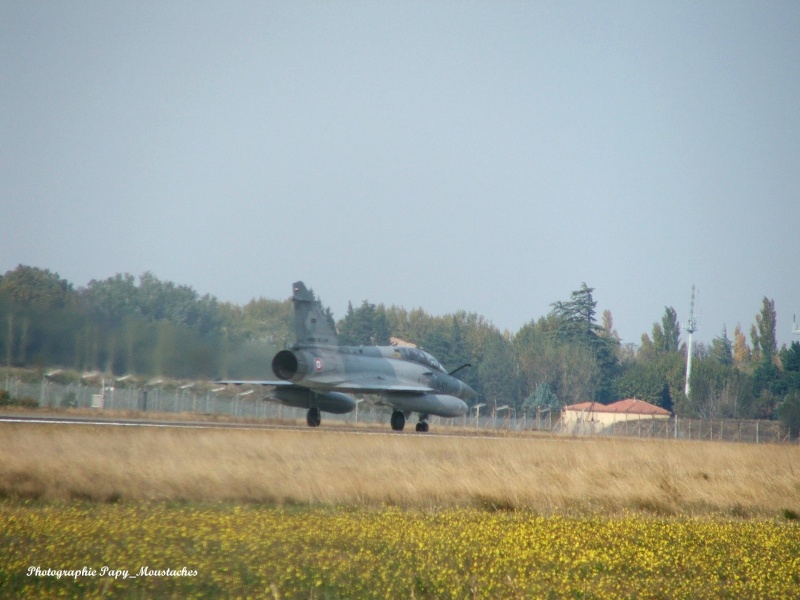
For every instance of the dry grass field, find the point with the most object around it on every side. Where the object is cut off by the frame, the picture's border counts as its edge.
(553, 475)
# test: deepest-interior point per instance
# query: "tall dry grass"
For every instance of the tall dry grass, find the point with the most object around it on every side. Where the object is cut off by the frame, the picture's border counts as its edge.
(318, 466)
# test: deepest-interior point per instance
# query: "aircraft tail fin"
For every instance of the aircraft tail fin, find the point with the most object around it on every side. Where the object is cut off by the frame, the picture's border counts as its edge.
(311, 326)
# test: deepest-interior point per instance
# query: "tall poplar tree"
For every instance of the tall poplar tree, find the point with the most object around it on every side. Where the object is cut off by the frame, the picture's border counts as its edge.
(741, 351)
(666, 336)
(765, 330)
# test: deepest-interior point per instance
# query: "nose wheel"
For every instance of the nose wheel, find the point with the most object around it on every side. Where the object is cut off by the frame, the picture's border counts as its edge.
(422, 426)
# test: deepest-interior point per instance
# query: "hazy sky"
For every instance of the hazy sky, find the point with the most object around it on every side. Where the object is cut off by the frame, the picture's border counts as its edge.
(485, 156)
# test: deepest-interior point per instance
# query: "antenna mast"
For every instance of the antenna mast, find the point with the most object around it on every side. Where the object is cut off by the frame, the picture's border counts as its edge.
(795, 328)
(691, 327)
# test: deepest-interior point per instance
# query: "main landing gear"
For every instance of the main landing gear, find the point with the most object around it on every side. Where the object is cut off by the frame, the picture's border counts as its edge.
(313, 417)
(398, 422)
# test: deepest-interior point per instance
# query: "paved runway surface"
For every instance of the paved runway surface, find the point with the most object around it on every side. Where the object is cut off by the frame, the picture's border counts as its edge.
(265, 426)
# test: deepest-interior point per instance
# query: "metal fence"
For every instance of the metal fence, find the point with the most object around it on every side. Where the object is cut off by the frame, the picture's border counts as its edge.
(235, 402)
(728, 430)
(229, 401)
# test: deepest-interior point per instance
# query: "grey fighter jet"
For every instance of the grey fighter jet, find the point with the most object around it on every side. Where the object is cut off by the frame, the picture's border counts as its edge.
(318, 374)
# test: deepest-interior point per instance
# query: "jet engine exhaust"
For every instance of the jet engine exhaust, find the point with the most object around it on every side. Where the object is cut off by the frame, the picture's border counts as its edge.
(289, 366)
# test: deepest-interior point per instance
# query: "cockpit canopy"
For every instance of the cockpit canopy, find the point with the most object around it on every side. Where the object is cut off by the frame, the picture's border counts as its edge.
(420, 356)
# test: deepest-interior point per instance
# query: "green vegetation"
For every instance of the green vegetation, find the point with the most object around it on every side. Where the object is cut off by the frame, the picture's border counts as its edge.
(6, 399)
(156, 328)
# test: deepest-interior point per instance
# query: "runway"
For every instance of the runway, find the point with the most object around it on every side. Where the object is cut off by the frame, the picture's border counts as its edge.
(157, 423)
(131, 422)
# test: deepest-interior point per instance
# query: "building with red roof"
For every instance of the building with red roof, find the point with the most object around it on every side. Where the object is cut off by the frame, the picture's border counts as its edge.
(593, 417)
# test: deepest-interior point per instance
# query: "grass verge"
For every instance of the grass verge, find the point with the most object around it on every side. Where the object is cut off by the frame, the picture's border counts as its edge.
(553, 475)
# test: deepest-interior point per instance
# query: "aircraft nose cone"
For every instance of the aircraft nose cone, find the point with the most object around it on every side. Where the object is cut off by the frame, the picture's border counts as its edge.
(467, 391)
(464, 408)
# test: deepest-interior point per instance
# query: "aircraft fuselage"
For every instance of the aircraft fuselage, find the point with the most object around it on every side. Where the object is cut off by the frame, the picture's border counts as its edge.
(408, 379)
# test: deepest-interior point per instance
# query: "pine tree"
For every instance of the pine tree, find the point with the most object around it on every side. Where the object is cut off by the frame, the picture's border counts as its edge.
(577, 327)
(542, 398)
(722, 349)
(577, 317)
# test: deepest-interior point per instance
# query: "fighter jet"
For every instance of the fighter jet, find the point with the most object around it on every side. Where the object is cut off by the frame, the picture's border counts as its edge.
(318, 374)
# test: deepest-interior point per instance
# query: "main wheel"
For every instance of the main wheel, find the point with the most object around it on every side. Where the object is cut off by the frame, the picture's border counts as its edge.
(422, 427)
(398, 420)
(313, 417)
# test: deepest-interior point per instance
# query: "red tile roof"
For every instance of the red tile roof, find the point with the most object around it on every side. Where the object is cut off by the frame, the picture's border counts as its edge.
(583, 406)
(638, 407)
(629, 406)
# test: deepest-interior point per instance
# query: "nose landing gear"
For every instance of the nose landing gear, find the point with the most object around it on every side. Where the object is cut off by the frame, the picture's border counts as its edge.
(422, 426)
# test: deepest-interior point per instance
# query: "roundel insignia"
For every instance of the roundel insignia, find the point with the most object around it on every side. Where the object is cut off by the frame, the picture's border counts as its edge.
(318, 364)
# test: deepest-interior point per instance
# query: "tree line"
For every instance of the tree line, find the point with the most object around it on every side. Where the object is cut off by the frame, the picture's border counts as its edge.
(122, 325)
